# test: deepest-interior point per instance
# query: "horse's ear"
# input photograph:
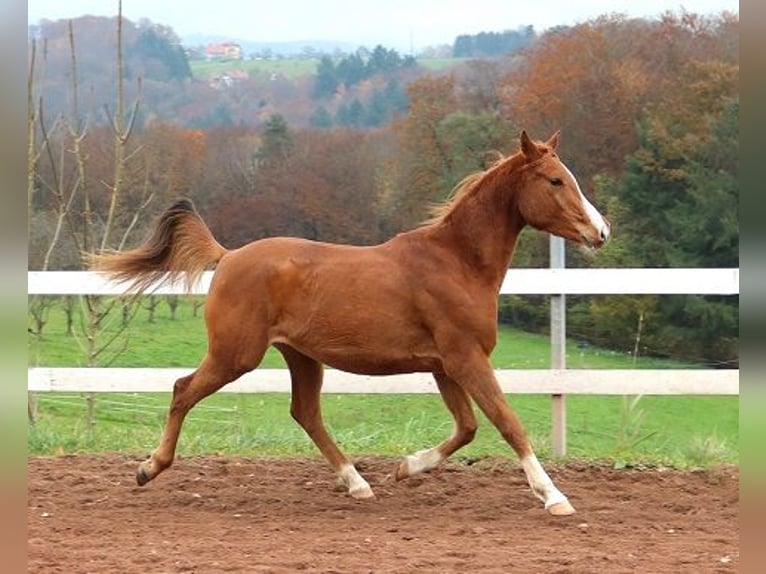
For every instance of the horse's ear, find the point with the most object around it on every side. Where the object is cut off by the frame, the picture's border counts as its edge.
(553, 141)
(528, 147)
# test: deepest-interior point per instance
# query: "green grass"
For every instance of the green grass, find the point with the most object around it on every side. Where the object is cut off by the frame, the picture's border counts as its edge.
(684, 431)
(290, 68)
(439, 64)
(680, 431)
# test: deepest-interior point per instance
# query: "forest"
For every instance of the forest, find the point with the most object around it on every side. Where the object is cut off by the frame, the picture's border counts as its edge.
(648, 110)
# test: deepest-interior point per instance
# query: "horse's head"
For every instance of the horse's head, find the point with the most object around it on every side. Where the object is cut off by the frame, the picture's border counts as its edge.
(550, 199)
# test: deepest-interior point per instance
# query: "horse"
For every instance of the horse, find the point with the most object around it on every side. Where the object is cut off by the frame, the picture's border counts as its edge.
(423, 301)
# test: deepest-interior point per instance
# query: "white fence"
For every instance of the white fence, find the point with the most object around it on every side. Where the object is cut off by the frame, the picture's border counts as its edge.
(555, 382)
(518, 281)
(512, 381)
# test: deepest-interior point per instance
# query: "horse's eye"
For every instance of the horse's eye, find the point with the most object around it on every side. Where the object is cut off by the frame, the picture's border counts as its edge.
(556, 181)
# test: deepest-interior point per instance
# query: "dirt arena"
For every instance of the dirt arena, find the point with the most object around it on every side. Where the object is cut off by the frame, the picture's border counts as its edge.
(215, 514)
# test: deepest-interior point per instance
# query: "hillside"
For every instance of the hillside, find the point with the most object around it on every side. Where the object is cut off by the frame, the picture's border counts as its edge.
(179, 85)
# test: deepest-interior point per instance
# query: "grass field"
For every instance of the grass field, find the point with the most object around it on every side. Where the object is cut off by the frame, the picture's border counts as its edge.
(438, 64)
(290, 68)
(675, 431)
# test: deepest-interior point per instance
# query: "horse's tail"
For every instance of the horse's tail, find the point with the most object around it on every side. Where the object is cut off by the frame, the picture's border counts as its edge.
(180, 243)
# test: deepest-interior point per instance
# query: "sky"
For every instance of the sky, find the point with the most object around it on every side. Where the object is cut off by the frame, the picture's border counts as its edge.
(399, 24)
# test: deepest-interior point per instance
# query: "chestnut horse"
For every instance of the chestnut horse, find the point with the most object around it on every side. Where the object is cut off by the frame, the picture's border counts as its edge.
(424, 301)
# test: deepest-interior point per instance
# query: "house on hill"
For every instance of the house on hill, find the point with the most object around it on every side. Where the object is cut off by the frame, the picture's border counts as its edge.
(223, 51)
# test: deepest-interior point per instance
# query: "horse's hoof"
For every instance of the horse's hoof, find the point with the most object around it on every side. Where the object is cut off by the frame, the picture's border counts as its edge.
(142, 477)
(364, 493)
(561, 509)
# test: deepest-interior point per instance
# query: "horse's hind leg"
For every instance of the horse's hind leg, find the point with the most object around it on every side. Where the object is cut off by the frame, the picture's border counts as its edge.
(187, 392)
(305, 408)
(459, 404)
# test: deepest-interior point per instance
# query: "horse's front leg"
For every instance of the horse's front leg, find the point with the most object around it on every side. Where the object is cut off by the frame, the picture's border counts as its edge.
(476, 376)
(459, 404)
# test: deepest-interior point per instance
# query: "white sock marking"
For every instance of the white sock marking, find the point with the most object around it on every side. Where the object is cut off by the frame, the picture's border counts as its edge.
(540, 483)
(353, 480)
(423, 460)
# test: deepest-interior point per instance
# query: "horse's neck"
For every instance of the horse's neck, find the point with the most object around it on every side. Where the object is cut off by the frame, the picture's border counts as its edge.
(483, 231)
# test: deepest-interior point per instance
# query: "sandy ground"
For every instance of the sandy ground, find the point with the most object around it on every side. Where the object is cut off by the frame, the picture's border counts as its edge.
(216, 514)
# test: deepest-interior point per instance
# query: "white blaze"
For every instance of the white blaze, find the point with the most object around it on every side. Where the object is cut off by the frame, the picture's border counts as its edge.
(596, 219)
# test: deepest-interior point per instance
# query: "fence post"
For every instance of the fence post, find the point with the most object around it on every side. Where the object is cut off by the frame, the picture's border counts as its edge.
(558, 350)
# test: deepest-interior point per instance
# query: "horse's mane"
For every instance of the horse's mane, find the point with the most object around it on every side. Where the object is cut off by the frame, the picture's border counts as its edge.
(465, 188)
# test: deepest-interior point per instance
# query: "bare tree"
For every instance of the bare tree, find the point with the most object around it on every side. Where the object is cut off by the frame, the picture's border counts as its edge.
(69, 190)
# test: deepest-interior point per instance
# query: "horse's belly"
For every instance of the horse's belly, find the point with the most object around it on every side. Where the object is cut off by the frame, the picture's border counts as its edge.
(376, 365)
(364, 353)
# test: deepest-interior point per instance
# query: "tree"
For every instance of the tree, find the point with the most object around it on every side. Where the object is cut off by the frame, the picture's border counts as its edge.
(423, 162)
(336, 173)
(679, 202)
(277, 142)
(478, 86)
(711, 223)
(683, 179)
(395, 96)
(174, 160)
(585, 81)
(321, 118)
(463, 47)
(377, 111)
(596, 81)
(327, 81)
(351, 69)
(471, 143)
(350, 115)
(159, 54)
(489, 44)
(68, 186)
(382, 61)
(328, 193)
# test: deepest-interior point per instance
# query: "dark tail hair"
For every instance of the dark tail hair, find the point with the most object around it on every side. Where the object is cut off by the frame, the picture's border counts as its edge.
(180, 243)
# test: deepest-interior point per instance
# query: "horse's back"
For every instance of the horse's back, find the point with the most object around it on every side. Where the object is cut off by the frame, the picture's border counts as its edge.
(285, 258)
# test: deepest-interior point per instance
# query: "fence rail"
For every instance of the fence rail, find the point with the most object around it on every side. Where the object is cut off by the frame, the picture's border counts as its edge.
(690, 281)
(517, 281)
(555, 382)
(512, 381)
